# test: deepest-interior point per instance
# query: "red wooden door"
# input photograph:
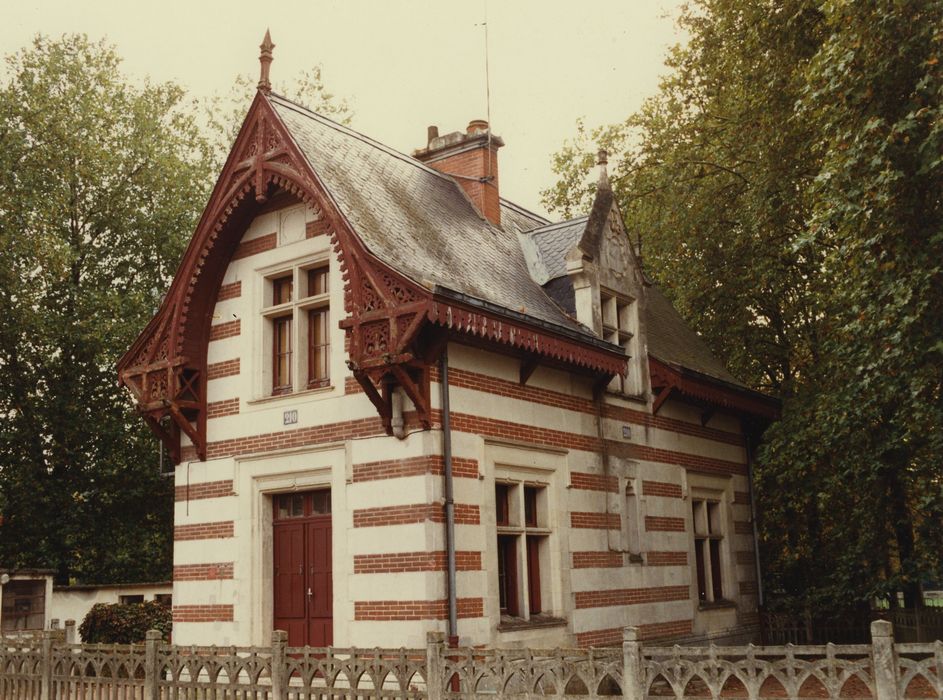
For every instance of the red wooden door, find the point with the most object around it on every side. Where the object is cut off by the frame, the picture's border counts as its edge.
(303, 585)
(320, 584)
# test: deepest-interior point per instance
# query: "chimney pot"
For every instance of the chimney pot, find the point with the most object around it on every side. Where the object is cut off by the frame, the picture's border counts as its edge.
(432, 132)
(477, 126)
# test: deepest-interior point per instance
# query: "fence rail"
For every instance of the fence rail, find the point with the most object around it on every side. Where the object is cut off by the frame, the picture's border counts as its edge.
(50, 669)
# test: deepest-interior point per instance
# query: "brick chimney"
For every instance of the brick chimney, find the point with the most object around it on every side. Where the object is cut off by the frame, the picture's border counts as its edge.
(472, 159)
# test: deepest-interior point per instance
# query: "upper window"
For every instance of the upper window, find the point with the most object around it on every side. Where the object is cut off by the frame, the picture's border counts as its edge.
(523, 547)
(708, 544)
(297, 328)
(620, 327)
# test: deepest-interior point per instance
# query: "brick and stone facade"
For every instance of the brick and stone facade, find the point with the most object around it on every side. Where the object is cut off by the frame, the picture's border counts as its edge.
(616, 470)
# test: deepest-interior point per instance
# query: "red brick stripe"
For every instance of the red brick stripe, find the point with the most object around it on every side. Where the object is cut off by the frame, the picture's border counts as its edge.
(226, 368)
(470, 424)
(401, 562)
(657, 523)
(748, 588)
(465, 514)
(318, 227)
(492, 427)
(666, 558)
(531, 394)
(202, 613)
(229, 329)
(230, 291)
(594, 482)
(206, 489)
(612, 637)
(204, 531)
(226, 407)
(631, 596)
(596, 560)
(742, 527)
(595, 521)
(256, 245)
(745, 556)
(382, 610)
(203, 572)
(661, 488)
(414, 466)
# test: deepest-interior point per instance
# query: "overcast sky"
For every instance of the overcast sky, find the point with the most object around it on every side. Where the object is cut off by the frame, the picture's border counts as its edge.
(402, 64)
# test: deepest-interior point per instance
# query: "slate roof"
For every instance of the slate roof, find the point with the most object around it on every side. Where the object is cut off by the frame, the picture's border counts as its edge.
(419, 220)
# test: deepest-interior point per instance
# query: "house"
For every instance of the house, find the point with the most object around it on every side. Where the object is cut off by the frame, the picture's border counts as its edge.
(398, 403)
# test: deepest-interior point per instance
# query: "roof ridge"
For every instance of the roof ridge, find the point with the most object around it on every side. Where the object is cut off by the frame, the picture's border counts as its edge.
(523, 210)
(555, 225)
(308, 112)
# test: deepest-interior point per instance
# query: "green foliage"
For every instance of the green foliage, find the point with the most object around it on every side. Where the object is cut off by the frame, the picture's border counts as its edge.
(785, 185)
(100, 185)
(114, 623)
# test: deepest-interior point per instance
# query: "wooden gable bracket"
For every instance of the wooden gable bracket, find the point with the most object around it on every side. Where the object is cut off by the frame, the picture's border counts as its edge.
(528, 366)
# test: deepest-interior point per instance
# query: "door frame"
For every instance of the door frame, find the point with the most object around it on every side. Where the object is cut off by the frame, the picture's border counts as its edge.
(261, 477)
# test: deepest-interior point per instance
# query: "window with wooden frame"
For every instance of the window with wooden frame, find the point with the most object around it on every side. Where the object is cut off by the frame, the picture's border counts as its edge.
(620, 327)
(297, 311)
(522, 547)
(708, 545)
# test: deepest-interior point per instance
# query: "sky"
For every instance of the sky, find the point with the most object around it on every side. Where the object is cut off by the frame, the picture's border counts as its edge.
(402, 64)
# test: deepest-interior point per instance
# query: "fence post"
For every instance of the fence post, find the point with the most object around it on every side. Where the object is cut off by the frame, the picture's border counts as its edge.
(633, 669)
(884, 660)
(152, 639)
(48, 640)
(435, 683)
(70, 631)
(279, 670)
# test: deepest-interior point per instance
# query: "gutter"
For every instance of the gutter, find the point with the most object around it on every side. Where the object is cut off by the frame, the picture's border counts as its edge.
(449, 498)
(756, 535)
(569, 333)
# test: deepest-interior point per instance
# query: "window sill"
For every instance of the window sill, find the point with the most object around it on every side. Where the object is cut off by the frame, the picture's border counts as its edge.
(303, 394)
(717, 605)
(516, 624)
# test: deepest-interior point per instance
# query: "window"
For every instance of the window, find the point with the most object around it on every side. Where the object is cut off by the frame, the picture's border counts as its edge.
(708, 541)
(298, 328)
(522, 547)
(131, 599)
(164, 599)
(620, 327)
(302, 505)
(24, 605)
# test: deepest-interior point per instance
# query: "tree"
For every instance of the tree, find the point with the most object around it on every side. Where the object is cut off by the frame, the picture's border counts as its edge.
(785, 186)
(101, 183)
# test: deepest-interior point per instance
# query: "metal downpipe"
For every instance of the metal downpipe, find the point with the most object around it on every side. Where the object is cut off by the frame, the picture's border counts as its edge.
(449, 499)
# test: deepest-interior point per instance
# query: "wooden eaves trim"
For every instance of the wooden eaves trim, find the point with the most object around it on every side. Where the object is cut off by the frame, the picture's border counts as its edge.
(669, 380)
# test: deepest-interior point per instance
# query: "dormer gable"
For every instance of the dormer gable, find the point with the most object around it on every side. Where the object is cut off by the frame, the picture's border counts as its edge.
(609, 287)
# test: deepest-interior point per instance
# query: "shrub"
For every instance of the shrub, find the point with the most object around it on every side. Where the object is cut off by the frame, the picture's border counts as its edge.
(114, 623)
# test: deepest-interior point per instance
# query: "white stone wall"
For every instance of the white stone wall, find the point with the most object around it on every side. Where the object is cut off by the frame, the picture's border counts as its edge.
(74, 602)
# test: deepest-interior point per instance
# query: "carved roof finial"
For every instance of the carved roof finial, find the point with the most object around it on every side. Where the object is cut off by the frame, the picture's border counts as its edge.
(265, 60)
(602, 160)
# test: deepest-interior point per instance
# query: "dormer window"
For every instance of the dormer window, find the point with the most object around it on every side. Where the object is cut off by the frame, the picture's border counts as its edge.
(620, 327)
